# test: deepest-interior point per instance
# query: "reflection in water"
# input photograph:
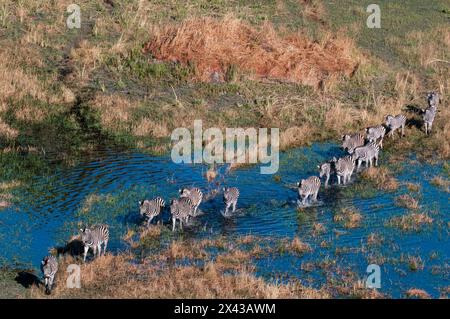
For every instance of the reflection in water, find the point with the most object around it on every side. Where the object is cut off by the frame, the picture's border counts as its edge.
(108, 189)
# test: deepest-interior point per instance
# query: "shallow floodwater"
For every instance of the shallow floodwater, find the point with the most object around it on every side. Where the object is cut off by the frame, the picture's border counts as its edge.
(107, 189)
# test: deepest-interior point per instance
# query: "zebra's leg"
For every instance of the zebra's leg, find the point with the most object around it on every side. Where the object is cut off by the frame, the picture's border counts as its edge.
(99, 249)
(94, 247)
(104, 247)
(326, 181)
(429, 127)
(86, 248)
(304, 199)
(315, 195)
(339, 179)
(234, 206)
(181, 223)
(173, 223)
(403, 130)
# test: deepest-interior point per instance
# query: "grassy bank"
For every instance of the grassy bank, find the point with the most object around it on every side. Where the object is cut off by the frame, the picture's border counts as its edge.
(64, 91)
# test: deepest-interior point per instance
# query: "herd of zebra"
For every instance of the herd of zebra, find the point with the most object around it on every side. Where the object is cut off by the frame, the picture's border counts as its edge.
(360, 148)
(363, 148)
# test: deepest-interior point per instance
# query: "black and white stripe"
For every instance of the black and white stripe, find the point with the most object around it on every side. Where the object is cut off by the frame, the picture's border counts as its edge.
(49, 268)
(94, 237)
(396, 122)
(181, 209)
(308, 188)
(151, 208)
(428, 118)
(366, 154)
(376, 133)
(230, 198)
(326, 169)
(350, 142)
(344, 169)
(195, 195)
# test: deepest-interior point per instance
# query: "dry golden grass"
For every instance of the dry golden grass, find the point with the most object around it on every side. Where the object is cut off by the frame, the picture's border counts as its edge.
(295, 136)
(441, 182)
(115, 277)
(318, 229)
(382, 178)
(148, 127)
(7, 131)
(413, 187)
(417, 293)
(214, 45)
(415, 263)
(298, 247)
(349, 217)
(115, 110)
(30, 113)
(374, 239)
(313, 9)
(407, 201)
(411, 221)
(16, 83)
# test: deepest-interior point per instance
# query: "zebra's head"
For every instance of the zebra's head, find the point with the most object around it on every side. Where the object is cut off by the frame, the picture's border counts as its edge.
(142, 207)
(345, 141)
(323, 169)
(85, 235)
(432, 98)
(388, 120)
(184, 192)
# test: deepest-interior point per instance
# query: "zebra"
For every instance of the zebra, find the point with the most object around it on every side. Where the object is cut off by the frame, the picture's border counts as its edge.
(195, 195)
(350, 142)
(367, 154)
(433, 99)
(151, 208)
(308, 187)
(428, 116)
(395, 122)
(180, 208)
(326, 169)
(49, 268)
(376, 132)
(230, 198)
(344, 167)
(94, 237)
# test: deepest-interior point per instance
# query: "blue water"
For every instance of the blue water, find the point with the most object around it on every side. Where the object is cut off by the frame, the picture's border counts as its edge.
(53, 208)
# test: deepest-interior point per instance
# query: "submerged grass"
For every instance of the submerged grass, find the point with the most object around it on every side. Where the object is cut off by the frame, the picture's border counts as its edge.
(411, 221)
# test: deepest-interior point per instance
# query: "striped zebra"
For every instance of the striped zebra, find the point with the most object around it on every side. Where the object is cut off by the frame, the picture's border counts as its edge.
(376, 132)
(433, 99)
(195, 195)
(151, 208)
(94, 237)
(350, 142)
(49, 268)
(308, 188)
(428, 116)
(396, 122)
(344, 167)
(230, 198)
(180, 209)
(366, 154)
(326, 169)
